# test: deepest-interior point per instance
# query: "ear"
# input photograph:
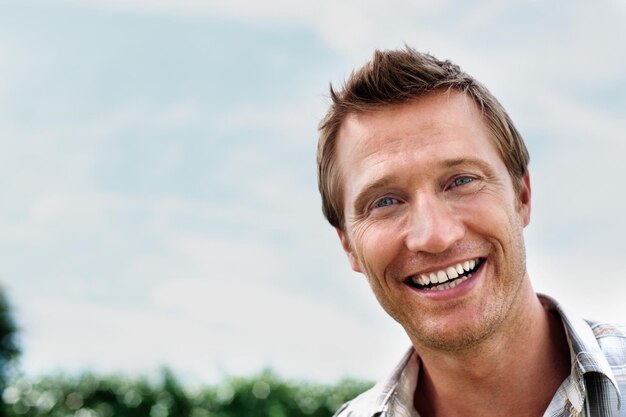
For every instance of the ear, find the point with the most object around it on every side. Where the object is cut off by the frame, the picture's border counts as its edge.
(345, 243)
(524, 198)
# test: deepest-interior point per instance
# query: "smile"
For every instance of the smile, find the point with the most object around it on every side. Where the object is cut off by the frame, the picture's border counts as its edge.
(446, 278)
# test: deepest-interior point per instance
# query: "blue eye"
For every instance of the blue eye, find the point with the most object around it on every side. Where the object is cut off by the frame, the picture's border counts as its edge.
(462, 181)
(384, 202)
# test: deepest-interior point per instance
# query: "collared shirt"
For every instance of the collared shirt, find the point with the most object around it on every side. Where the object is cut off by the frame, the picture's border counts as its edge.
(593, 388)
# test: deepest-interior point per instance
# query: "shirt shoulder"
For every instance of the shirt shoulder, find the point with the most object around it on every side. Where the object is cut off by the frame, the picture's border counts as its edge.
(392, 396)
(612, 340)
(367, 404)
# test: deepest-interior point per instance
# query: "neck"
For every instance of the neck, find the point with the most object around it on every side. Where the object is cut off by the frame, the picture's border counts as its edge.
(499, 377)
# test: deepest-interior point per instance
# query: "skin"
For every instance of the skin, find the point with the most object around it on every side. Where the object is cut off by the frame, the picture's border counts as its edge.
(425, 188)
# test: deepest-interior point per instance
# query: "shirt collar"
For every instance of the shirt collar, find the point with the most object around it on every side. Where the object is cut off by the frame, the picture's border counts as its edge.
(586, 354)
(383, 396)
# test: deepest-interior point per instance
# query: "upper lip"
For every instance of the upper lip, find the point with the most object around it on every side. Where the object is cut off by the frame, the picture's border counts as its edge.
(444, 273)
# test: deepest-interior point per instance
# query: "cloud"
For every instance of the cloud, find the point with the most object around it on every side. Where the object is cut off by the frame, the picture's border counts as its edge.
(205, 329)
(453, 26)
(585, 283)
(126, 237)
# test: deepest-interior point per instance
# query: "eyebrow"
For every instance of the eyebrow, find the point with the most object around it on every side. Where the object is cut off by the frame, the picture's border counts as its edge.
(386, 181)
(453, 163)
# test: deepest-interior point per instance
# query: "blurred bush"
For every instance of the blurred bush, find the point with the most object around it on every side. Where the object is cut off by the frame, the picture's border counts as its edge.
(262, 395)
(90, 395)
(9, 350)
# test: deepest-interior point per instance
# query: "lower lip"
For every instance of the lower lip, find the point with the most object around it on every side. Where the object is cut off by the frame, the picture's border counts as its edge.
(456, 292)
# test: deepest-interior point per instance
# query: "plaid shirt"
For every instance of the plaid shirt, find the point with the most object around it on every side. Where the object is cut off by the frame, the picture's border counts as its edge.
(592, 389)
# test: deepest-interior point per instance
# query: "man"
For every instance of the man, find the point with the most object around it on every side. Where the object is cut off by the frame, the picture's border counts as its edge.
(425, 179)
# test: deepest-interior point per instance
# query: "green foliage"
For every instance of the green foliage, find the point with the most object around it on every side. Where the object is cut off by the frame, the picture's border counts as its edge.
(263, 395)
(9, 350)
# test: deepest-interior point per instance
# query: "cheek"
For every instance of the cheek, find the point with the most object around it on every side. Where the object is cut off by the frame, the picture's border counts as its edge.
(376, 246)
(499, 224)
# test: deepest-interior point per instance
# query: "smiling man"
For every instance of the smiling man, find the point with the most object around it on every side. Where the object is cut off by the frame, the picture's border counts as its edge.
(424, 177)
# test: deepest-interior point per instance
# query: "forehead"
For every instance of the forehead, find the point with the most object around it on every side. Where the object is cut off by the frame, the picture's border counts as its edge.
(434, 116)
(438, 126)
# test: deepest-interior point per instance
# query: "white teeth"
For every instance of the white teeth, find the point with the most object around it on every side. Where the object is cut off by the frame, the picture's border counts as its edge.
(448, 285)
(451, 273)
(443, 276)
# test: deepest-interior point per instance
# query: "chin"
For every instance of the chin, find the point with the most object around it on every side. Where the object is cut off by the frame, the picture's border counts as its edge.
(456, 336)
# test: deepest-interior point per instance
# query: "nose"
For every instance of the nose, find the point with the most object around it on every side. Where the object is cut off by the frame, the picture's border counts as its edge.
(433, 226)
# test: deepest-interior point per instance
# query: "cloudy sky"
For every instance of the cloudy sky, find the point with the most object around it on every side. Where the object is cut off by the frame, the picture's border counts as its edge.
(158, 200)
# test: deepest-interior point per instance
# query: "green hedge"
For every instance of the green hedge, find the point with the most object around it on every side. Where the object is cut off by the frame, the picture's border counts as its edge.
(90, 395)
(262, 395)
(9, 349)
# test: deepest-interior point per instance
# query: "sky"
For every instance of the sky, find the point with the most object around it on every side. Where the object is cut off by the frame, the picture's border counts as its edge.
(158, 198)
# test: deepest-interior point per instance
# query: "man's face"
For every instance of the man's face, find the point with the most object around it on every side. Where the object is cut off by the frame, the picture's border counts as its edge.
(427, 200)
